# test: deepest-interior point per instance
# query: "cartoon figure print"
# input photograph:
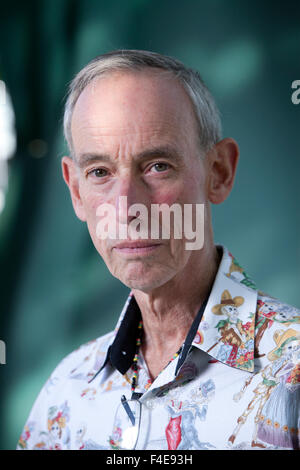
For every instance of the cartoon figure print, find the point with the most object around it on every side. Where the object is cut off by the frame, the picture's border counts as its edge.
(237, 273)
(268, 312)
(274, 422)
(236, 339)
(58, 436)
(81, 443)
(181, 432)
(25, 436)
(89, 393)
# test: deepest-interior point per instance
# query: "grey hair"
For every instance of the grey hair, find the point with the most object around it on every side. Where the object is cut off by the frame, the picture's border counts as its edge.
(204, 105)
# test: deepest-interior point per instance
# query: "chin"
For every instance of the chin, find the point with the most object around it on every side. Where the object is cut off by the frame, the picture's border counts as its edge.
(144, 282)
(141, 285)
(141, 275)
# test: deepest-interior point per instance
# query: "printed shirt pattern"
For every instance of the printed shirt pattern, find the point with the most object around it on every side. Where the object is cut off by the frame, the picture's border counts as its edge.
(236, 384)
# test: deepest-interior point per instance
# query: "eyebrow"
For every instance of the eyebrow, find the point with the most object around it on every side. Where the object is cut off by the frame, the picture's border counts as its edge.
(165, 152)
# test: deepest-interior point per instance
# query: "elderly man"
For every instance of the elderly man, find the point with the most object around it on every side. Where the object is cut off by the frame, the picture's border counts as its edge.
(182, 369)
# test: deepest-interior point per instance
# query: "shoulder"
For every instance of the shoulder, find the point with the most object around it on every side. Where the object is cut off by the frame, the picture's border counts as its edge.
(81, 365)
(280, 312)
(86, 360)
(277, 330)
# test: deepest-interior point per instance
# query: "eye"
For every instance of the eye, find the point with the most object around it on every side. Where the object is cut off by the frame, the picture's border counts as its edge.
(160, 167)
(98, 173)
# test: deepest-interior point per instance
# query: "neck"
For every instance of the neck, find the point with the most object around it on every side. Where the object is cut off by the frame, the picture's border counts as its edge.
(169, 310)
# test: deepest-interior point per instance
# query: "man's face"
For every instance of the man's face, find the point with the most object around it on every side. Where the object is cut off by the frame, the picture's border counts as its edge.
(135, 135)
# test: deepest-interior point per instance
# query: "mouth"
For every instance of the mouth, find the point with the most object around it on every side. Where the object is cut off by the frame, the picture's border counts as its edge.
(136, 247)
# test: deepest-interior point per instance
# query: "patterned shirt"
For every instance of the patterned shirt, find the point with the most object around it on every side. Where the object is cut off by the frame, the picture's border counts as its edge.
(235, 384)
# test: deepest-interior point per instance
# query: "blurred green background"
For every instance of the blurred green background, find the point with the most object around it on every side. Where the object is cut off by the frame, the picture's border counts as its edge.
(56, 292)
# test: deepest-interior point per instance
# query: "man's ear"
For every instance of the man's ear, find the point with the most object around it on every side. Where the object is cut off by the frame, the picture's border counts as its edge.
(222, 161)
(70, 175)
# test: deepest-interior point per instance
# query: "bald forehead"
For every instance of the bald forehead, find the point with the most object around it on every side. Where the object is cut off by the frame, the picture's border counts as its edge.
(123, 101)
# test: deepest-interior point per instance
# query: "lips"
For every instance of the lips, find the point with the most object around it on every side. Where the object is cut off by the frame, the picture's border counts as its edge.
(136, 247)
(135, 244)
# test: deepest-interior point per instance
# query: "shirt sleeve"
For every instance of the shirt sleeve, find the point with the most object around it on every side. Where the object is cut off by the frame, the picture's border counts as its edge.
(36, 431)
(50, 411)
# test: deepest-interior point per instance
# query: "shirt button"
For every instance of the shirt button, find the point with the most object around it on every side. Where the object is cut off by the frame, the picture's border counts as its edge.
(124, 353)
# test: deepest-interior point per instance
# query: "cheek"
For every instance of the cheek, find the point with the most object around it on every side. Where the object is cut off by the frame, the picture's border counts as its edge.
(190, 190)
(185, 192)
(91, 200)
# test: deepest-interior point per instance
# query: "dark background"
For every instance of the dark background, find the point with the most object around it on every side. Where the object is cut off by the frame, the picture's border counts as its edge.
(56, 292)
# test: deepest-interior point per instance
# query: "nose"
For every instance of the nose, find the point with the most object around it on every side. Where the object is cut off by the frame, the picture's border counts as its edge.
(130, 191)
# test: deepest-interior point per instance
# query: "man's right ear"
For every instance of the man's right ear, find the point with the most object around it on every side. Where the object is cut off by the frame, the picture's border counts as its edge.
(70, 175)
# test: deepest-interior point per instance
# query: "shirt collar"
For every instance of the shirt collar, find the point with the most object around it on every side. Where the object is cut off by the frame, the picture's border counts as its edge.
(223, 327)
(226, 329)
